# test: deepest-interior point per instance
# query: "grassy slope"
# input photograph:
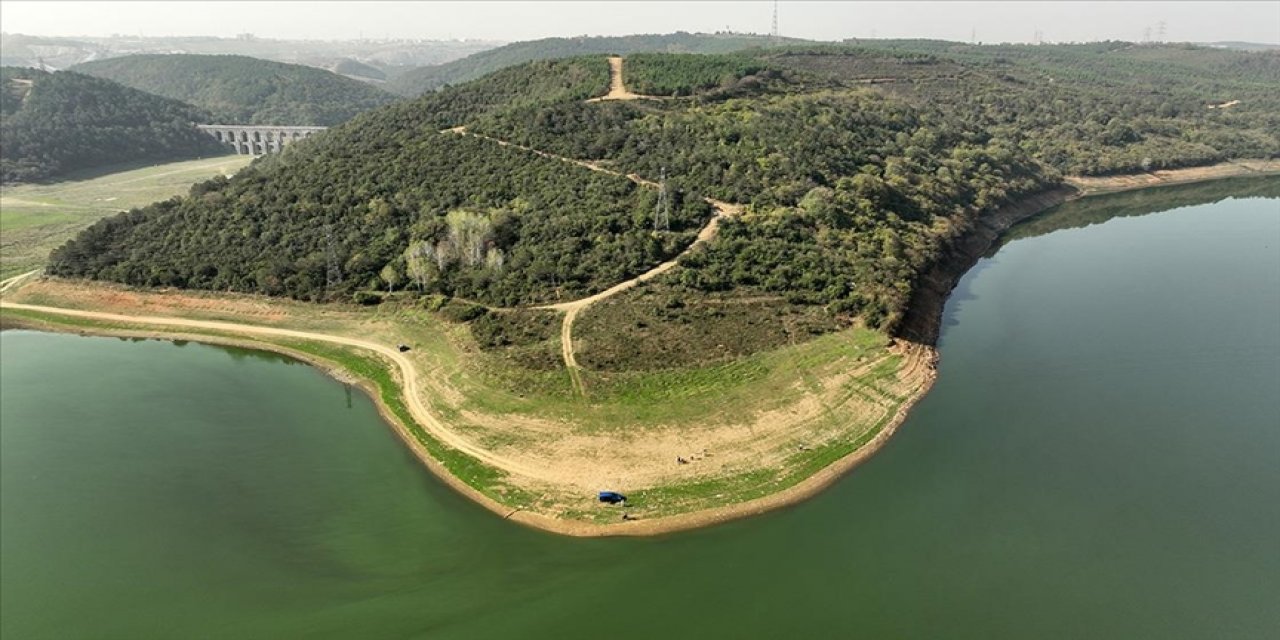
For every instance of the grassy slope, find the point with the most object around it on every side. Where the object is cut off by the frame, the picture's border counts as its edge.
(36, 218)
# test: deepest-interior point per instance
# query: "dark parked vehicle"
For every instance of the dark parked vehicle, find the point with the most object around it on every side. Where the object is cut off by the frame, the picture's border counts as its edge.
(612, 497)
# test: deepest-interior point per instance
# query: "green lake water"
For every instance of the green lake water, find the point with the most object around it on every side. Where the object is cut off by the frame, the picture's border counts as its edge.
(1100, 458)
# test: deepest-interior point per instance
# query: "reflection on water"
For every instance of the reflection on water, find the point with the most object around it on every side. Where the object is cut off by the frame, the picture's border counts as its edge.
(1097, 210)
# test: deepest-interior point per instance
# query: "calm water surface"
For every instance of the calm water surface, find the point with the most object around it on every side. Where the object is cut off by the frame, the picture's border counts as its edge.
(1099, 458)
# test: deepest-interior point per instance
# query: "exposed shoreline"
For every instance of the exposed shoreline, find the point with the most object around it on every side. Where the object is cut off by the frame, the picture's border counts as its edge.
(1095, 186)
(922, 321)
(917, 333)
(917, 355)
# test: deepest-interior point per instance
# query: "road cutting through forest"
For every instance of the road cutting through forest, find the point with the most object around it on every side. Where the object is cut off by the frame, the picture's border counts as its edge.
(618, 90)
(573, 307)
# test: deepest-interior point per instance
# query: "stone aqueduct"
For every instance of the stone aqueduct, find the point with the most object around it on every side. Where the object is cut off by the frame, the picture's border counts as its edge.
(256, 139)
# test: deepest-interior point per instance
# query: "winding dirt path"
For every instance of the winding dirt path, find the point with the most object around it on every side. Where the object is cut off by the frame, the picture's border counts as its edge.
(411, 385)
(573, 307)
(462, 131)
(567, 352)
(9, 282)
(705, 235)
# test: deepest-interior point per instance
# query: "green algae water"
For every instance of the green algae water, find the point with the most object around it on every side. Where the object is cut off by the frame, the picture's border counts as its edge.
(1099, 458)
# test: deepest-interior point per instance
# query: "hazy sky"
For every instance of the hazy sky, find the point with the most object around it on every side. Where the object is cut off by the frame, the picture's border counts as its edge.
(990, 21)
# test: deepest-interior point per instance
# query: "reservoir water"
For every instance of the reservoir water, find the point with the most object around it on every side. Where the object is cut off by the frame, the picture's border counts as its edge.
(1099, 458)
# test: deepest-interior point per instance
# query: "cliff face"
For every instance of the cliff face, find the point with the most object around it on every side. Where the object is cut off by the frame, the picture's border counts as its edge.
(923, 319)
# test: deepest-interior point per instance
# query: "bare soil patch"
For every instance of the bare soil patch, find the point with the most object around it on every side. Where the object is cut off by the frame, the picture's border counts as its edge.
(1091, 185)
(617, 89)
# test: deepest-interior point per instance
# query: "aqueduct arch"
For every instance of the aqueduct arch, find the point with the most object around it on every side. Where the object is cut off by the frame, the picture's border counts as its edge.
(257, 139)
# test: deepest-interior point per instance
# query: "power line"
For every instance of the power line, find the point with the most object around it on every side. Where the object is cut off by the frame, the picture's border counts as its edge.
(662, 211)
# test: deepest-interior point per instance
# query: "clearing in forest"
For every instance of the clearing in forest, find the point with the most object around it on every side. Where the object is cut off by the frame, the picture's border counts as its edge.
(618, 90)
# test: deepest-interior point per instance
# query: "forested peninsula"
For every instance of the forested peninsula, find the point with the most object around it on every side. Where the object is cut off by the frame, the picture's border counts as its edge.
(591, 260)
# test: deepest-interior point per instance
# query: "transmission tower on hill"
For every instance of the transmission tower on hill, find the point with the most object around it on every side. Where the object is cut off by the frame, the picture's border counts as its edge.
(662, 212)
(775, 32)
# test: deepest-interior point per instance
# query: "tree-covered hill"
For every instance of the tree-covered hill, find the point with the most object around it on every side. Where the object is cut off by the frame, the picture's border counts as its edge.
(402, 205)
(534, 86)
(669, 74)
(1088, 109)
(54, 123)
(858, 167)
(244, 90)
(419, 81)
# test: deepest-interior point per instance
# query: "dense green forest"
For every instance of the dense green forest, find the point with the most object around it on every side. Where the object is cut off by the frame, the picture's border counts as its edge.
(659, 74)
(531, 86)
(402, 206)
(54, 123)
(244, 90)
(859, 167)
(1081, 109)
(419, 81)
(1092, 109)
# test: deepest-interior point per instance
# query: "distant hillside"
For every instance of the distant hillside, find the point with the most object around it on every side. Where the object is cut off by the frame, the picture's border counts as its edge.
(419, 81)
(389, 56)
(53, 123)
(358, 70)
(18, 50)
(1244, 46)
(243, 90)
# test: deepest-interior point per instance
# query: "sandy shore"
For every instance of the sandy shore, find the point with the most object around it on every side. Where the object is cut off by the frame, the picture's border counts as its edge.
(917, 334)
(1098, 185)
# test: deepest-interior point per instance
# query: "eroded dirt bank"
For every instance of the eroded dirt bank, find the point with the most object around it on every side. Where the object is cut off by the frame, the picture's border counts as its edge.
(923, 320)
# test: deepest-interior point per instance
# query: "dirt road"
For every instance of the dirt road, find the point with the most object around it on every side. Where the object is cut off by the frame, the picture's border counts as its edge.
(618, 90)
(9, 282)
(410, 383)
(572, 307)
